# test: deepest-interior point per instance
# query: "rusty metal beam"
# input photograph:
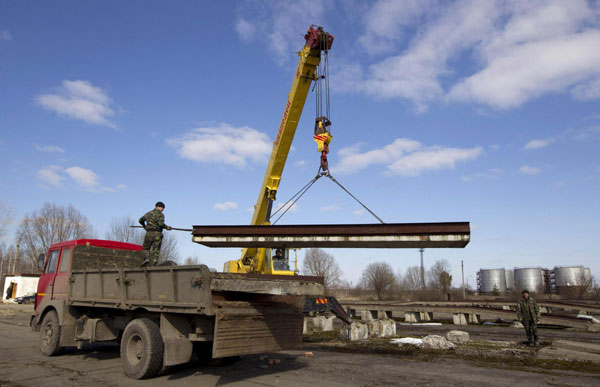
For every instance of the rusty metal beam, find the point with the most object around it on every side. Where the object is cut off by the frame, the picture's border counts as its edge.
(389, 235)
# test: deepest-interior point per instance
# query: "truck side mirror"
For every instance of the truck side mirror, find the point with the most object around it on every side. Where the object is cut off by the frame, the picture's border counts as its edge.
(40, 262)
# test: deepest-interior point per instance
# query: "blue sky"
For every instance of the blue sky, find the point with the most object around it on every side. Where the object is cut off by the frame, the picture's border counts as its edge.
(484, 111)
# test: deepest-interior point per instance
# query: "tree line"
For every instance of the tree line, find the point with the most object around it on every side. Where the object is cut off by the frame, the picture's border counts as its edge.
(379, 278)
(53, 223)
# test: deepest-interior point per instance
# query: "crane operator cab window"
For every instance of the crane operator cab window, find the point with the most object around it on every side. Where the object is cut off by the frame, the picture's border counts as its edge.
(281, 260)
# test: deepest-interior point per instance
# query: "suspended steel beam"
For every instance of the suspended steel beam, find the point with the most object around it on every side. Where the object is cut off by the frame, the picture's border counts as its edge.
(389, 235)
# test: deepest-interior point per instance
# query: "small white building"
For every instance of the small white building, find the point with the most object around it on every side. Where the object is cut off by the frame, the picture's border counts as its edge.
(19, 285)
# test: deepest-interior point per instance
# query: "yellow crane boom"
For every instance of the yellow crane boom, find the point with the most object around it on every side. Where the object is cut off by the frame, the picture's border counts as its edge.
(255, 259)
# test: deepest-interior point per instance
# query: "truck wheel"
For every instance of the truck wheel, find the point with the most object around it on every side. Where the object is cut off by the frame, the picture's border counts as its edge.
(50, 334)
(142, 349)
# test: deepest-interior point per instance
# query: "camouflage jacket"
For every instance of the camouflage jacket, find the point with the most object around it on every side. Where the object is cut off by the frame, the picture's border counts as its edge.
(528, 310)
(153, 220)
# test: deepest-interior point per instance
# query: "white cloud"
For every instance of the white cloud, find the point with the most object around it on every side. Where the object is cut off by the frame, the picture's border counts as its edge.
(225, 206)
(86, 178)
(586, 92)
(433, 158)
(281, 22)
(300, 163)
(527, 170)
(386, 21)
(529, 70)
(223, 144)
(245, 29)
(351, 160)
(489, 174)
(517, 50)
(330, 208)
(49, 148)
(55, 175)
(404, 157)
(5, 35)
(79, 100)
(358, 212)
(51, 175)
(538, 143)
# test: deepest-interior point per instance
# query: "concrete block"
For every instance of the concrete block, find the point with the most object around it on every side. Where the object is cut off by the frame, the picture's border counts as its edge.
(457, 336)
(426, 316)
(365, 315)
(506, 307)
(323, 324)
(459, 319)
(517, 324)
(474, 319)
(437, 342)
(411, 317)
(355, 331)
(388, 328)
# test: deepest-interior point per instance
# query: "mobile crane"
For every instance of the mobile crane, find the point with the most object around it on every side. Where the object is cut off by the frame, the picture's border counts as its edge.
(318, 44)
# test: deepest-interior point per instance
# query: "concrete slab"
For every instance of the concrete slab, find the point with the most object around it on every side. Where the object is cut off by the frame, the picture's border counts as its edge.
(458, 337)
(459, 319)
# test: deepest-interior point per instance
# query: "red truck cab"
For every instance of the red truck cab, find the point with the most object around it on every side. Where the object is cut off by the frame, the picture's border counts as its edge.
(56, 265)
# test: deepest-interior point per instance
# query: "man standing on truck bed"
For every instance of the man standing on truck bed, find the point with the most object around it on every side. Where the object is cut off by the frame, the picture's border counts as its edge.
(153, 222)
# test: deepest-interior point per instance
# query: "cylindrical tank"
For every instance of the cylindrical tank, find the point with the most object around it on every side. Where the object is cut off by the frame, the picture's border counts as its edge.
(570, 276)
(530, 278)
(492, 280)
(510, 279)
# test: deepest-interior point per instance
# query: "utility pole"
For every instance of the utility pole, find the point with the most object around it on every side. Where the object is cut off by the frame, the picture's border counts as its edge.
(462, 269)
(16, 258)
(421, 250)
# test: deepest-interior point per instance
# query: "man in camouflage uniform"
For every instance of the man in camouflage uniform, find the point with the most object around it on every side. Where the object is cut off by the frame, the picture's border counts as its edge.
(153, 222)
(529, 314)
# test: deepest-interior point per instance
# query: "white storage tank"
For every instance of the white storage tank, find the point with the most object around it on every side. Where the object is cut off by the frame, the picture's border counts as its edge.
(572, 281)
(530, 278)
(510, 279)
(492, 280)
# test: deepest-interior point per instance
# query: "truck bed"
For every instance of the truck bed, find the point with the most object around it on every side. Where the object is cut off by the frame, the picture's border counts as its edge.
(178, 289)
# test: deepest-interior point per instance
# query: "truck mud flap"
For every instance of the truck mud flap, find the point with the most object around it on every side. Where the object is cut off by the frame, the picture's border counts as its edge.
(247, 328)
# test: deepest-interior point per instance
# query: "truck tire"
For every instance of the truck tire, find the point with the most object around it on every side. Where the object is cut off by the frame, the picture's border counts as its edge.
(142, 349)
(50, 334)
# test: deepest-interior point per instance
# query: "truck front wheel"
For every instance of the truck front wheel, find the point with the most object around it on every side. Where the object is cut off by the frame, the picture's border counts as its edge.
(142, 349)
(50, 334)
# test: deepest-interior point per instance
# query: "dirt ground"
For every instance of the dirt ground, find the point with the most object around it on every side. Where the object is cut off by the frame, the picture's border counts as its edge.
(333, 363)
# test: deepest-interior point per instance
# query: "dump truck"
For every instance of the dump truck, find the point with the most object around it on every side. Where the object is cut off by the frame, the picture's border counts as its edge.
(96, 291)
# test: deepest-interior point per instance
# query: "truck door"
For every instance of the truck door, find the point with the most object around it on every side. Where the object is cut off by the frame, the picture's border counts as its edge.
(61, 278)
(47, 278)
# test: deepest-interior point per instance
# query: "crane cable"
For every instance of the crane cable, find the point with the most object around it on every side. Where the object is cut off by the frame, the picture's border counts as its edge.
(307, 186)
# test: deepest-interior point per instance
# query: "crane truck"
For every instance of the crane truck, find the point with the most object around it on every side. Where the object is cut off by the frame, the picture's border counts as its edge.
(96, 290)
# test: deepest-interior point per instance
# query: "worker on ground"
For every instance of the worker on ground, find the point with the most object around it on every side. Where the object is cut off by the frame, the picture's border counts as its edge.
(279, 262)
(529, 314)
(153, 222)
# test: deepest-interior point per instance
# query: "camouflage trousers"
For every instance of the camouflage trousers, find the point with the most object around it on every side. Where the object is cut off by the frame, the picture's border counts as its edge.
(151, 246)
(531, 330)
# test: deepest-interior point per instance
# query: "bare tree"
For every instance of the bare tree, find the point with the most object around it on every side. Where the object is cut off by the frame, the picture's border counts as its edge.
(169, 250)
(120, 230)
(318, 263)
(439, 276)
(412, 278)
(380, 277)
(192, 260)
(51, 224)
(7, 214)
